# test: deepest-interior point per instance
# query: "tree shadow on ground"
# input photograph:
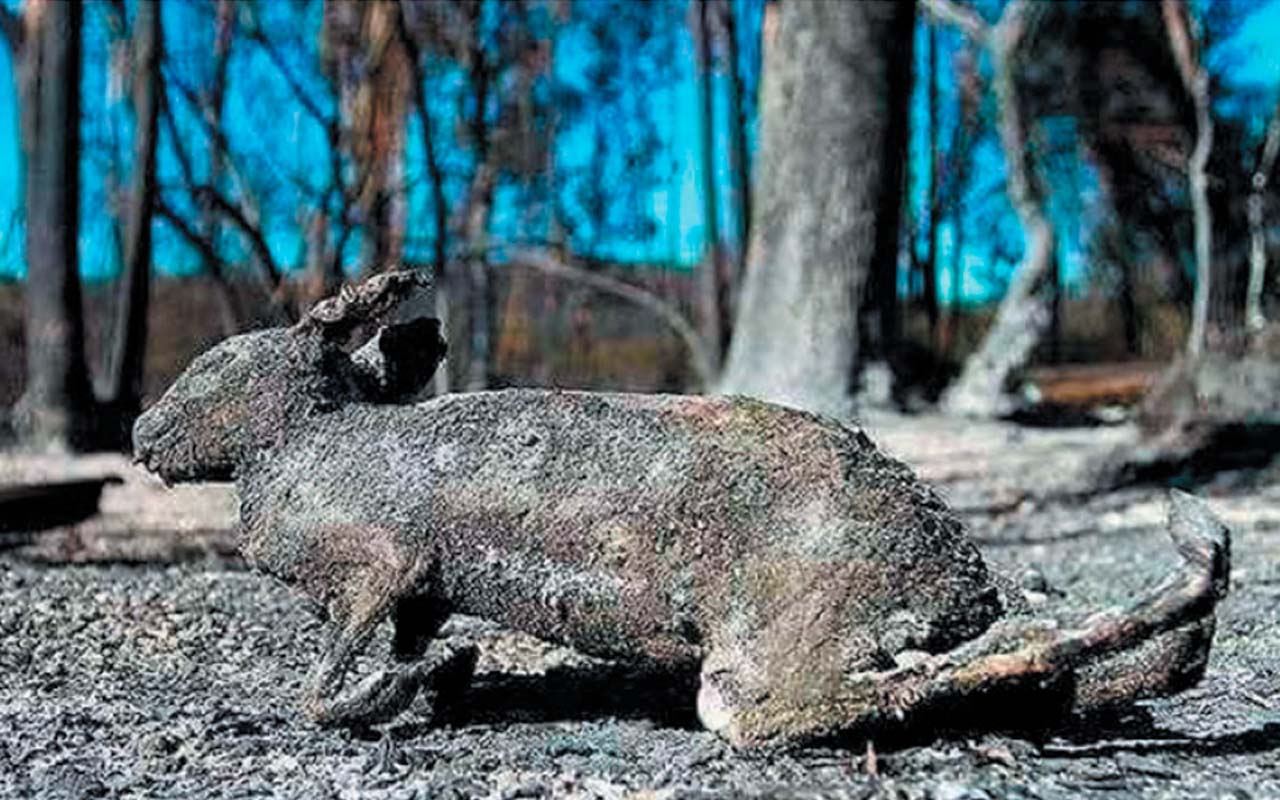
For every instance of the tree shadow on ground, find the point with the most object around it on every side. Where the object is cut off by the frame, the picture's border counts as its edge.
(1238, 453)
(1041, 717)
(1134, 730)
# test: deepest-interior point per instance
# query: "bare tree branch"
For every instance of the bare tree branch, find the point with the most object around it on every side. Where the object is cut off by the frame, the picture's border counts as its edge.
(699, 355)
(966, 19)
(208, 194)
(305, 100)
(180, 226)
(204, 244)
(330, 123)
(192, 98)
(179, 148)
(251, 232)
(231, 314)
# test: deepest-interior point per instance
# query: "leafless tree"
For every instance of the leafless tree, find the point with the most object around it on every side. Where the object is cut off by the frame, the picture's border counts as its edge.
(1266, 165)
(713, 288)
(1178, 22)
(45, 40)
(1023, 314)
(127, 356)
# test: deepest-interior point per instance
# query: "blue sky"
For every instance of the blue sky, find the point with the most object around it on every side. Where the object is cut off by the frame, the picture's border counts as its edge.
(280, 143)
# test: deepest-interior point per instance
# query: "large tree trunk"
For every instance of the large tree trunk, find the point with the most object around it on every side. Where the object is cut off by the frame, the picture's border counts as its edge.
(129, 337)
(55, 409)
(1023, 314)
(893, 158)
(828, 198)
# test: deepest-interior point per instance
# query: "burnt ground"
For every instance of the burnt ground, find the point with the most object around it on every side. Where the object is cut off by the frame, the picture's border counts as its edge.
(137, 658)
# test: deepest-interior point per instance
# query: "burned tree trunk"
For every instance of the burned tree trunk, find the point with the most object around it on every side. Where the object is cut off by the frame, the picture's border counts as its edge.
(57, 403)
(829, 196)
(370, 70)
(129, 337)
(1023, 314)
(930, 276)
(739, 160)
(1254, 317)
(441, 283)
(712, 273)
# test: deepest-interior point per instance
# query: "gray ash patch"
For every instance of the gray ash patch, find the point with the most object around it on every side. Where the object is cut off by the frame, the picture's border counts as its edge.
(184, 681)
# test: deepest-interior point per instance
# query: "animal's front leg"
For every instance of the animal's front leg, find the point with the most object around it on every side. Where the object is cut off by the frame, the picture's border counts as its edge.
(388, 692)
(323, 703)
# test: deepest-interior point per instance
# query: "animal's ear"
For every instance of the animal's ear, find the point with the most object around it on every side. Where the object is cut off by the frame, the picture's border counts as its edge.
(368, 302)
(398, 362)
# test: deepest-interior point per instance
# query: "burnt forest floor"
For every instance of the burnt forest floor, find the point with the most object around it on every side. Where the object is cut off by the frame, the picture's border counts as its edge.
(139, 659)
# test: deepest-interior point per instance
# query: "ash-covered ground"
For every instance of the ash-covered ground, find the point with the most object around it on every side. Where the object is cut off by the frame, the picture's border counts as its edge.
(183, 679)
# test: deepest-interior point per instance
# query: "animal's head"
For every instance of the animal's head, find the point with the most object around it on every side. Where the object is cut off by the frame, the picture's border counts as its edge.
(246, 392)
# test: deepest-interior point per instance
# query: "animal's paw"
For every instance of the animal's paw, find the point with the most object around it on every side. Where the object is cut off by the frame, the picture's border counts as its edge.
(720, 710)
(378, 698)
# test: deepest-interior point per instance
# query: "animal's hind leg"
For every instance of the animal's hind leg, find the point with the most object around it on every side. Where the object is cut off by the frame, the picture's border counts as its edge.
(753, 702)
(1166, 665)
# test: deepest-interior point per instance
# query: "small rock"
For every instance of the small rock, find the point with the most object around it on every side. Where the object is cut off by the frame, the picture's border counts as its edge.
(526, 790)
(949, 790)
(1033, 580)
(996, 754)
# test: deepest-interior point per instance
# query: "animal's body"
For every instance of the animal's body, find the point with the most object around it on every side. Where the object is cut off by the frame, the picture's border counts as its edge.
(628, 526)
(813, 581)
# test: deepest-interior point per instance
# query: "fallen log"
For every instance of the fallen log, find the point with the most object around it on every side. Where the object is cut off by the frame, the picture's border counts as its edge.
(27, 508)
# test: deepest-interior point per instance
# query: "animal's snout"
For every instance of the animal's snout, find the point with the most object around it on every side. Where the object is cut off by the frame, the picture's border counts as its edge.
(148, 430)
